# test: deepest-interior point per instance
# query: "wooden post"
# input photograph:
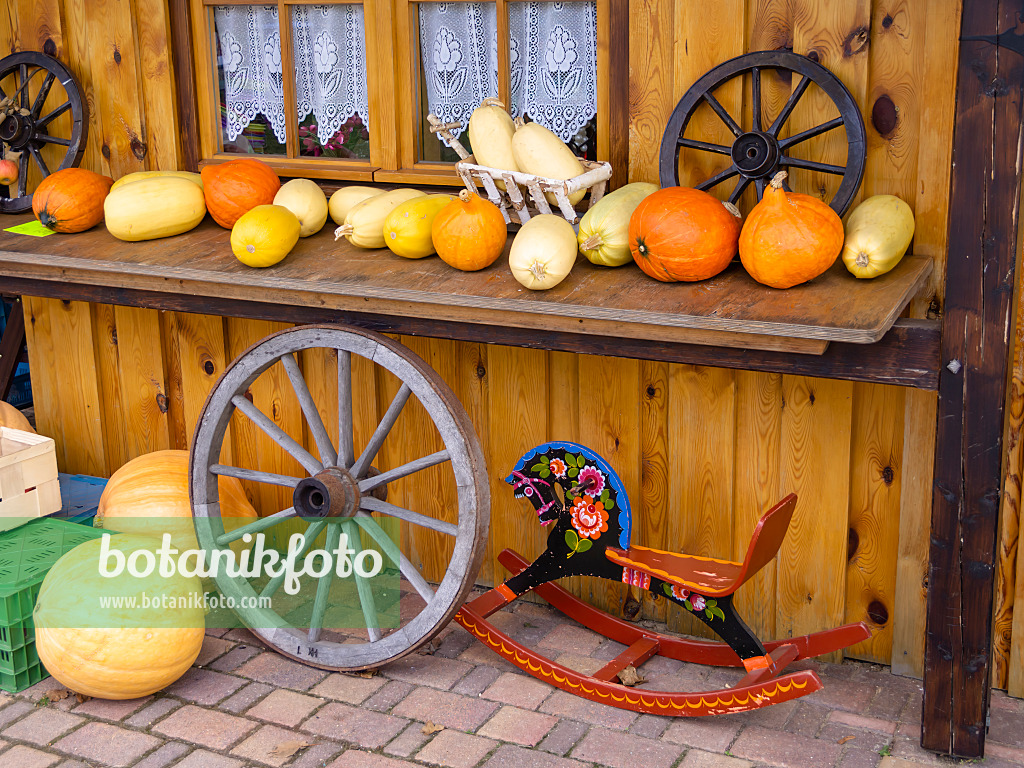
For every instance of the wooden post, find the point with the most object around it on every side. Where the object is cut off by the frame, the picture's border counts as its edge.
(972, 384)
(185, 83)
(11, 343)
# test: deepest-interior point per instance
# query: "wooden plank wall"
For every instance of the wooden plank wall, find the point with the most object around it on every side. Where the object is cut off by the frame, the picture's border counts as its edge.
(703, 450)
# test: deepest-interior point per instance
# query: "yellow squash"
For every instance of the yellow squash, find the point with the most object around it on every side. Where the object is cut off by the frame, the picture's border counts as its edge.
(158, 206)
(307, 201)
(364, 224)
(131, 178)
(604, 229)
(538, 151)
(264, 235)
(490, 135)
(346, 198)
(407, 227)
(543, 252)
(878, 233)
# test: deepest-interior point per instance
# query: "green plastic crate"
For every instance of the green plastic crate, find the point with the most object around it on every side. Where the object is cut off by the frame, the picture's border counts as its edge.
(26, 555)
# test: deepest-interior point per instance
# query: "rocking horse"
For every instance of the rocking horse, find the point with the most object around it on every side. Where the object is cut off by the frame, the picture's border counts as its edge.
(578, 494)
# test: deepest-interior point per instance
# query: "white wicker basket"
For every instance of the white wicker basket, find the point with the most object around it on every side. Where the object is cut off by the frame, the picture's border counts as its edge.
(28, 477)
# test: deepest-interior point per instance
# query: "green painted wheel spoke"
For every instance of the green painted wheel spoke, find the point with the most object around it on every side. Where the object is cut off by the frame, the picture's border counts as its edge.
(407, 569)
(366, 601)
(260, 525)
(307, 542)
(323, 587)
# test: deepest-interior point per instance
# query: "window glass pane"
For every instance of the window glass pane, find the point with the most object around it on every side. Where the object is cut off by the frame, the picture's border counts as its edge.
(458, 68)
(553, 63)
(251, 84)
(329, 50)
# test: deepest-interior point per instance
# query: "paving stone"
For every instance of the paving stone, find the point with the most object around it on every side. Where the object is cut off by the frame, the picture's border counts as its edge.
(234, 658)
(774, 717)
(608, 650)
(520, 726)
(204, 686)
(696, 758)
(43, 688)
(212, 648)
(567, 638)
(455, 643)
(43, 726)
(245, 698)
(158, 709)
(721, 677)
(662, 665)
(280, 672)
(435, 671)
(898, 762)
(585, 665)
(860, 758)
(164, 756)
(73, 764)
(448, 709)
(1010, 754)
(478, 653)
(107, 744)
(356, 726)
(477, 681)
(861, 721)
(623, 750)
(318, 755)
(1006, 727)
(510, 756)
(203, 759)
(910, 749)
(260, 745)
(350, 688)
(13, 711)
(999, 700)
(408, 741)
(389, 695)
(912, 711)
(455, 750)
(889, 702)
(577, 708)
(683, 679)
(782, 748)
(808, 719)
(845, 694)
(20, 756)
(356, 759)
(911, 731)
(850, 738)
(285, 708)
(650, 726)
(519, 690)
(205, 727)
(105, 709)
(563, 737)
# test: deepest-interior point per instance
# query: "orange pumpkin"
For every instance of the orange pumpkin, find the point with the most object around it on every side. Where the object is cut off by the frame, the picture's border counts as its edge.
(71, 200)
(789, 238)
(236, 187)
(683, 234)
(469, 233)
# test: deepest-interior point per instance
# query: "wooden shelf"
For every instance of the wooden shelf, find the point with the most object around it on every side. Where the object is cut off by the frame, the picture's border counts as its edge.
(730, 310)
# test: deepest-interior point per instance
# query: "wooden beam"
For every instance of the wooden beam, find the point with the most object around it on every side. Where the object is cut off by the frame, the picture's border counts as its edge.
(972, 382)
(11, 343)
(184, 66)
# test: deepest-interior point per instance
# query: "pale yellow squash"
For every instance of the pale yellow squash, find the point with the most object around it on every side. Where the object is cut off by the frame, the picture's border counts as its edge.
(264, 235)
(307, 201)
(364, 224)
(407, 227)
(131, 178)
(604, 229)
(149, 647)
(160, 206)
(346, 198)
(878, 234)
(540, 152)
(543, 252)
(490, 135)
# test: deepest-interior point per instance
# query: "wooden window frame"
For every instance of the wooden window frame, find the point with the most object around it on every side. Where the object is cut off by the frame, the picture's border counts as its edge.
(393, 77)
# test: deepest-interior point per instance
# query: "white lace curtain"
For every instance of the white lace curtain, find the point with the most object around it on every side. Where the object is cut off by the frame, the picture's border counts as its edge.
(552, 53)
(329, 52)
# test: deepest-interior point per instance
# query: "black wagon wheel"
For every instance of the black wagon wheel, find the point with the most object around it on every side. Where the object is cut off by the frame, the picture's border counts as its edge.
(342, 493)
(757, 154)
(24, 126)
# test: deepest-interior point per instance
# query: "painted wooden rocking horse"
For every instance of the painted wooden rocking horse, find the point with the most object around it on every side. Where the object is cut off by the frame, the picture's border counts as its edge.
(576, 492)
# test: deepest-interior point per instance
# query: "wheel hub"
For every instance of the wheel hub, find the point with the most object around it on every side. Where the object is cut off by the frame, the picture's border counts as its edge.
(16, 131)
(332, 492)
(755, 154)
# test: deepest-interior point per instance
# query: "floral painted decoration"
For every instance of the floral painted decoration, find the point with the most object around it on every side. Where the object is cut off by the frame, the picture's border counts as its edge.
(693, 602)
(589, 517)
(557, 467)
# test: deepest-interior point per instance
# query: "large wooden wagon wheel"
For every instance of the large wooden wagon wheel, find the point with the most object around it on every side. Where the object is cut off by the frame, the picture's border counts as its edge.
(759, 153)
(342, 494)
(24, 126)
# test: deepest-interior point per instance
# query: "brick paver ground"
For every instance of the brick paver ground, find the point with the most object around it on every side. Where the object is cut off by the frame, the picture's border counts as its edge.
(247, 707)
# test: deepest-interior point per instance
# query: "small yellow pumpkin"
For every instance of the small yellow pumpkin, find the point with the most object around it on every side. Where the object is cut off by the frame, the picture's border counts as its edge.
(307, 201)
(878, 234)
(264, 235)
(407, 227)
(543, 252)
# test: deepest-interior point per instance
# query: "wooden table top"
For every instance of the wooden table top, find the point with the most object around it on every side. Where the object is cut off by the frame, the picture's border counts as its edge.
(728, 310)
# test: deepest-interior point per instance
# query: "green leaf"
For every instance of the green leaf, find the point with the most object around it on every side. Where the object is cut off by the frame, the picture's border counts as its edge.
(604, 495)
(709, 613)
(580, 461)
(545, 472)
(570, 460)
(543, 460)
(584, 545)
(572, 539)
(538, 467)
(712, 603)
(573, 472)
(667, 589)
(688, 604)
(609, 503)
(718, 612)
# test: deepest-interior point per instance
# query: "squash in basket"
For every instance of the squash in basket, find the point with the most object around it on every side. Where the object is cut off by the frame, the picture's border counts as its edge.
(238, 186)
(307, 201)
(543, 252)
(157, 206)
(490, 137)
(878, 234)
(364, 224)
(540, 152)
(71, 200)
(346, 198)
(469, 233)
(604, 228)
(407, 227)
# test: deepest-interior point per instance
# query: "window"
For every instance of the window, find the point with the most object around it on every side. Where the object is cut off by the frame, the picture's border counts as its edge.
(343, 90)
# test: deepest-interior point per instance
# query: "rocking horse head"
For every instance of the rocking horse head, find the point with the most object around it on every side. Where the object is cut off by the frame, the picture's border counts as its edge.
(569, 483)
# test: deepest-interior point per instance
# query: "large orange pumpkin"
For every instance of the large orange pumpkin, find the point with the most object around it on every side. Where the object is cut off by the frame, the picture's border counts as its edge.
(236, 187)
(789, 238)
(12, 418)
(683, 234)
(469, 233)
(71, 200)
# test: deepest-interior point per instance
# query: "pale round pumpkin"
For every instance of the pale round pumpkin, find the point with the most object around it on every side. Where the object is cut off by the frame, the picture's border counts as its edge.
(115, 653)
(265, 235)
(307, 201)
(155, 485)
(12, 418)
(543, 252)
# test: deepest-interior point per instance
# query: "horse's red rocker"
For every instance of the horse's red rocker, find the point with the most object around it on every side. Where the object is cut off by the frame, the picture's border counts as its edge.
(574, 488)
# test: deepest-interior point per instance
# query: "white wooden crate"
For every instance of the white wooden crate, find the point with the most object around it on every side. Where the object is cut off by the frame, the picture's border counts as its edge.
(28, 477)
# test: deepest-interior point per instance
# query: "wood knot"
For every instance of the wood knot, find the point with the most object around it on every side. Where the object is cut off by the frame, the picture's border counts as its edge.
(887, 21)
(651, 391)
(884, 116)
(878, 613)
(117, 55)
(630, 609)
(161, 402)
(810, 397)
(814, 56)
(480, 371)
(50, 47)
(888, 475)
(856, 42)
(852, 543)
(138, 148)
(209, 367)
(105, 150)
